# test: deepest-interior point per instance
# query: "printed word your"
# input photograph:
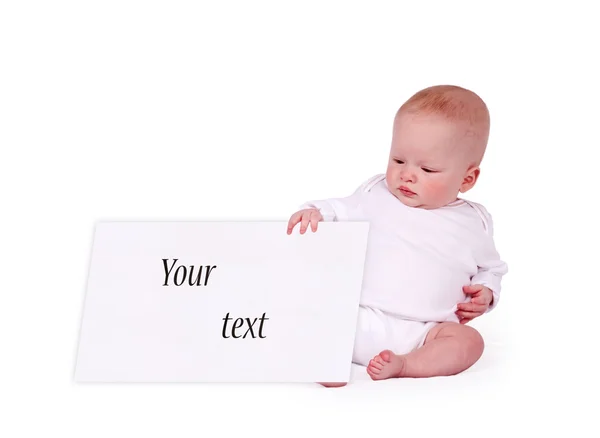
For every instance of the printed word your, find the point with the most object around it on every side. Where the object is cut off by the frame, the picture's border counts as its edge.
(181, 274)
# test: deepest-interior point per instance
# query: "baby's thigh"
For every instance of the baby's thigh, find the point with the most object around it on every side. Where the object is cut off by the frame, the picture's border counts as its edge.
(377, 331)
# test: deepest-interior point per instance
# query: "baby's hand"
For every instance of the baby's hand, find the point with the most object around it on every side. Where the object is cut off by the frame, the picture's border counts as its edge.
(482, 298)
(311, 215)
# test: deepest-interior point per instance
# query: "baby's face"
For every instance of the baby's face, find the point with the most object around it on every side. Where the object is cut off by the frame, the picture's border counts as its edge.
(429, 161)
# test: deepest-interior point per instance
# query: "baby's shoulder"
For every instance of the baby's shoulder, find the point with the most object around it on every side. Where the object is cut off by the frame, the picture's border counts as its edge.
(367, 186)
(483, 214)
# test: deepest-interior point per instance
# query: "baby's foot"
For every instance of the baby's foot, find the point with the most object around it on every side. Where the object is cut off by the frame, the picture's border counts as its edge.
(332, 384)
(386, 365)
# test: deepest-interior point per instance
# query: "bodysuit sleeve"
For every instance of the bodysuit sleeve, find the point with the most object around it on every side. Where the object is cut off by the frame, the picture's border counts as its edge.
(342, 209)
(490, 266)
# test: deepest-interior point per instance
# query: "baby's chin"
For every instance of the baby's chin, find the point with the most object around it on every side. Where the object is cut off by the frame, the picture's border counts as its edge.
(412, 201)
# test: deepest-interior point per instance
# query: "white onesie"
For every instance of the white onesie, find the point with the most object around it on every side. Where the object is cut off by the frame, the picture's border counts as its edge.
(416, 264)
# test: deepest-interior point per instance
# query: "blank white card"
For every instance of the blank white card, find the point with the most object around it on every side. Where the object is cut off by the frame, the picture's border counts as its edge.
(221, 302)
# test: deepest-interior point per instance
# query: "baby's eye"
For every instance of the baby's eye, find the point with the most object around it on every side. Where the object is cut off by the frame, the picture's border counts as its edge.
(429, 170)
(399, 161)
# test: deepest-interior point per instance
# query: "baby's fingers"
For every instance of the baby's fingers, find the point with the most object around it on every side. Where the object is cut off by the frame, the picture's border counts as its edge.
(292, 222)
(478, 300)
(468, 315)
(305, 222)
(314, 221)
(472, 307)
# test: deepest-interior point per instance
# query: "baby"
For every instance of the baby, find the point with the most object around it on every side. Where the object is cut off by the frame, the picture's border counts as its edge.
(431, 264)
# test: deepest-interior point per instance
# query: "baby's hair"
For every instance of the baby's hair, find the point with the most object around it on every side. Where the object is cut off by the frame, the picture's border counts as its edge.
(451, 101)
(456, 104)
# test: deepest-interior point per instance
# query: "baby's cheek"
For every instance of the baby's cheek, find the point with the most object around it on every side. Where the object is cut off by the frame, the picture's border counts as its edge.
(435, 189)
(392, 178)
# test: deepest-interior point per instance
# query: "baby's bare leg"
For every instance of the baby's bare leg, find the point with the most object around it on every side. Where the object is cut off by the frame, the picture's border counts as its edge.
(449, 349)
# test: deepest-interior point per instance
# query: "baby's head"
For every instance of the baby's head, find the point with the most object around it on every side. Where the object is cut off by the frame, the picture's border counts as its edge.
(439, 138)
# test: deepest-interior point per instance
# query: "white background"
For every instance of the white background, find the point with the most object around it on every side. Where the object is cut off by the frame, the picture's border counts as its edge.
(185, 110)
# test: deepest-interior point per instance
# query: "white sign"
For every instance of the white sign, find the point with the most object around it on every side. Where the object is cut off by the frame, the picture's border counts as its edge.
(221, 302)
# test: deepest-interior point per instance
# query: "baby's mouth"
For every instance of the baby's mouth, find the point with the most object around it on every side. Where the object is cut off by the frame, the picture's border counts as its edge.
(406, 192)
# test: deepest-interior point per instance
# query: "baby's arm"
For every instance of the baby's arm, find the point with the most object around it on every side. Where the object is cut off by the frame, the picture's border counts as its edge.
(340, 209)
(490, 266)
(333, 209)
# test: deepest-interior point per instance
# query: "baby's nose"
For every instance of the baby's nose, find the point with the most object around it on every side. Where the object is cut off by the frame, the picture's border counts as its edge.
(406, 175)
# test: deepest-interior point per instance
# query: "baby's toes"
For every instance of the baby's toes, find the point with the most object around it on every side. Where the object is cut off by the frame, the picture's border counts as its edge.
(379, 361)
(376, 363)
(373, 373)
(386, 356)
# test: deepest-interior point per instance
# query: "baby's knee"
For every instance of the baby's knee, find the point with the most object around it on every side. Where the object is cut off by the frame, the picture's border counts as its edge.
(473, 341)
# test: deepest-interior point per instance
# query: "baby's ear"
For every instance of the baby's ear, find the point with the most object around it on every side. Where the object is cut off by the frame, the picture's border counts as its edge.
(470, 179)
